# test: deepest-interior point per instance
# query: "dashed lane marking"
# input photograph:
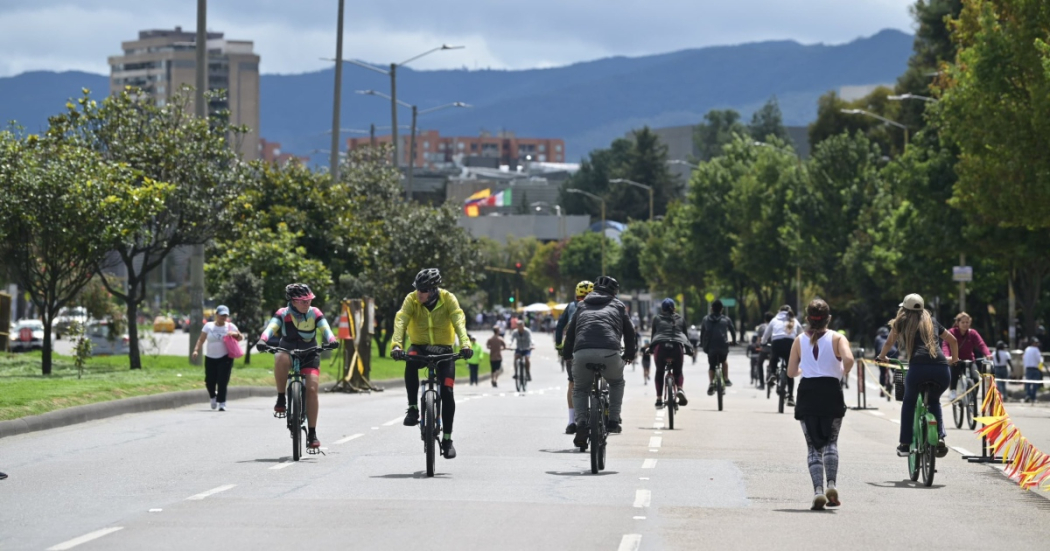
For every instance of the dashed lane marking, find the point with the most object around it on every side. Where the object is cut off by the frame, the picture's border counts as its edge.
(630, 542)
(642, 498)
(655, 441)
(878, 413)
(210, 492)
(649, 464)
(282, 465)
(963, 451)
(660, 414)
(638, 518)
(348, 438)
(392, 421)
(84, 539)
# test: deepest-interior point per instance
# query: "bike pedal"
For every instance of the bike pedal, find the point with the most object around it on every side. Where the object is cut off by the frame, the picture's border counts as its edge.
(315, 451)
(280, 414)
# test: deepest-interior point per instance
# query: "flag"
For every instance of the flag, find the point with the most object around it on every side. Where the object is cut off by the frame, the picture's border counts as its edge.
(471, 210)
(479, 195)
(501, 199)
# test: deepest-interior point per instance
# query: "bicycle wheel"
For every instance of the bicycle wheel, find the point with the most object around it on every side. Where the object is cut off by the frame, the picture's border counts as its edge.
(670, 401)
(971, 412)
(430, 431)
(913, 464)
(958, 407)
(596, 432)
(929, 465)
(519, 376)
(721, 391)
(769, 390)
(781, 391)
(295, 423)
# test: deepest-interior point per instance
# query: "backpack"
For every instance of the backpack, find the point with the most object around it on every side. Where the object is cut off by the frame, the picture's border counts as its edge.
(716, 334)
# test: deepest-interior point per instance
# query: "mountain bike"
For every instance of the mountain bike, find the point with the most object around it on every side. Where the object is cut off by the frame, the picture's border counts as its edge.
(597, 418)
(296, 397)
(720, 385)
(966, 406)
(670, 393)
(521, 375)
(780, 376)
(430, 405)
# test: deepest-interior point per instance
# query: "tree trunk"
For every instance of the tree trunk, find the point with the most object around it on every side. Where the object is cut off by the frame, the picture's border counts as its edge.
(134, 359)
(45, 355)
(248, 349)
(1030, 278)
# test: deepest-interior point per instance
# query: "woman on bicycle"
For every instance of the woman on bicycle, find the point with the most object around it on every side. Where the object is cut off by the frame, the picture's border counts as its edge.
(669, 342)
(823, 358)
(970, 345)
(927, 363)
(780, 335)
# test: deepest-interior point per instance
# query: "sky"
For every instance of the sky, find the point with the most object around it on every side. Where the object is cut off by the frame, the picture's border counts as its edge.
(292, 37)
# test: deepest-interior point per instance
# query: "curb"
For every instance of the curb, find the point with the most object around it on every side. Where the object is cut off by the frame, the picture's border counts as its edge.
(141, 404)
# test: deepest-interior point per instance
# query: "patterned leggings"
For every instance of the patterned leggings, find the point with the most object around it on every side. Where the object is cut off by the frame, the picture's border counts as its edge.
(825, 459)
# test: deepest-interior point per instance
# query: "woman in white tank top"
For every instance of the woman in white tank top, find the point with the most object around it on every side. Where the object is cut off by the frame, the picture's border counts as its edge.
(823, 358)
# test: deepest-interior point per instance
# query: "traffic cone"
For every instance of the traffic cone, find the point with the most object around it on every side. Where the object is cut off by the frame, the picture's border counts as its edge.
(344, 327)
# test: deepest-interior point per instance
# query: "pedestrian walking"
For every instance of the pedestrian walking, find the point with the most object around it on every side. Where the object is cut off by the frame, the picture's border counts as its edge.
(1033, 360)
(475, 360)
(496, 346)
(218, 364)
(885, 377)
(823, 358)
(1001, 366)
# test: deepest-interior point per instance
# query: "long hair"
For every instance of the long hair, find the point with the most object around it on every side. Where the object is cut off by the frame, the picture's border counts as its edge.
(819, 314)
(790, 325)
(911, 324)
(960, 317)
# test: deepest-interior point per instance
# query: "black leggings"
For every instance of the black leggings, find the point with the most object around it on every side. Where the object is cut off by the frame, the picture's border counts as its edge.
(446, 376)
(217, 376)
(781, 353)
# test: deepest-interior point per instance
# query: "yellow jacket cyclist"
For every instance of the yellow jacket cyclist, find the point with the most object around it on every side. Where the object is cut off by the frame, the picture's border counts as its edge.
(433, 319)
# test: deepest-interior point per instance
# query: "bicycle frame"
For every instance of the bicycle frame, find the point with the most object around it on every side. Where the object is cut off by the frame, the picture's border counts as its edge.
(430, 406)
(598, 415)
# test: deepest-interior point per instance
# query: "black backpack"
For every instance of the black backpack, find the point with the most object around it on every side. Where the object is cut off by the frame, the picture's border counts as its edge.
(716, 333)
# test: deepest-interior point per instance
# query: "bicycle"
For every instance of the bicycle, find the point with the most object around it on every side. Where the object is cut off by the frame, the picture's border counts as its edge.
(430, 405)
(296, 398)
(598, 418)
(720, 385)
(780, 376)
(922, 455)
(670, 394)
(966, 404)
(521, 377)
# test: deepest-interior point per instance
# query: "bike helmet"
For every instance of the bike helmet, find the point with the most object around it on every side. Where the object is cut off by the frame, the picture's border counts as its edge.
(607, 284)
(298, 291)
(667, 305)
(584, 288)
(427, 279)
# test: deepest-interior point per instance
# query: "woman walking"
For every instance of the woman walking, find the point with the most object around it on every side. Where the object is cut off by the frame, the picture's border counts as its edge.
(823, 358)
(217, 362)
(780, 334)
(1002, 364)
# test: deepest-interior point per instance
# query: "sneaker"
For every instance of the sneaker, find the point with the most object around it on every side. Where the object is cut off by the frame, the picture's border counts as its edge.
(528, 377)
(411, 417)
(279, 407)
(729, 383)
(580, 440)
(681, 398)
(819, 501)
(833, 497)
(312, 442)
(903, 450)
(942, 449)
(571, 428)
(447, 449)
(222, 406)
(3, 476)
(659, 404)
(613, 427)
(711, 390)
(790, 401)
(214, 403)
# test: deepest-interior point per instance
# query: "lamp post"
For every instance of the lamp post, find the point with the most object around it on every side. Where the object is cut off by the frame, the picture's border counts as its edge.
(201, 109)
(593, 196)
(881, 118)
(636, 184)
(911, 96)
(681, 162)
(392, 73)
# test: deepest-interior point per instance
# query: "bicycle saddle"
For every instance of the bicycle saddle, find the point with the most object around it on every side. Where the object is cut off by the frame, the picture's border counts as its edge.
(595, 367)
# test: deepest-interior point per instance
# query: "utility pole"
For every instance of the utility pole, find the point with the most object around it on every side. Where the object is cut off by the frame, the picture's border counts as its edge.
(962, 285)
(197, 258)
(334, 161)
(412, 153)
(393, 115)
(1012, 313)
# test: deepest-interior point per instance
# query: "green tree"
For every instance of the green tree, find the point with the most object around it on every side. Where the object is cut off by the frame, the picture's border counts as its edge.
(581, 258)
(242, 292)
(543, 269)
(628, 269)
(933, 46)
(720, 127)
(768, 122)
(593, 177)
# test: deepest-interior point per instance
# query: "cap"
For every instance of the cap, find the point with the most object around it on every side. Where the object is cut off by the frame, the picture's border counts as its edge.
(913, 302)
(222, 310)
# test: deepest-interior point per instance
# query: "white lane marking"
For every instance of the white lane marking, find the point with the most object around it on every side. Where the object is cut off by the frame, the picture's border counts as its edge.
(502, 394)
(658, 425)
(213, 491)
(655, 441)
(654, 450)
(642, 498)
(644, 478)
(375, 428)
(280, 466)
(657, 432)
(348, 438)
(392, 421)
(630, 542)
(84, 539)
(638, 518)
(155, 510)
(660, 414)
(649, 464)
(878, 413)
(963, 451)
(898, 421)
(485, 394)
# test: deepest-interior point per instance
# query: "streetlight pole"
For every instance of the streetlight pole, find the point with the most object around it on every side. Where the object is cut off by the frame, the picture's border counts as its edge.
(334, 160)
(593, 196)
(636, 184)
(881, 118)
(201, 110)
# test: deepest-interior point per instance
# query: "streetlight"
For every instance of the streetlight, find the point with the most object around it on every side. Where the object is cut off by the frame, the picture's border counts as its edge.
(636, 184)
(681, 162)
(911, 96)
(881, 118)
(392, 73)
(593, 196)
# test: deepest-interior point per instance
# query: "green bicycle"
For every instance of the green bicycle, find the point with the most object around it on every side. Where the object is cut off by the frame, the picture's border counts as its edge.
(922, 454)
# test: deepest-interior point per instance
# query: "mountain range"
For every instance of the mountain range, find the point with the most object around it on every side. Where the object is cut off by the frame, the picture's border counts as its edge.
(588, 104)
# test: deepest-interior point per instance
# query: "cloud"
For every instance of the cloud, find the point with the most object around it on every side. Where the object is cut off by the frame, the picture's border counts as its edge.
(291, 37)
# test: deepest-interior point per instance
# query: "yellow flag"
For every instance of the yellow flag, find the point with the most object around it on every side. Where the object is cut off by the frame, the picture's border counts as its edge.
(479, 195)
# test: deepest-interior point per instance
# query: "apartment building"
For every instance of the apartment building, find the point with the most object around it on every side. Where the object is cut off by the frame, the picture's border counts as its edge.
(436, 151)
(160, 61)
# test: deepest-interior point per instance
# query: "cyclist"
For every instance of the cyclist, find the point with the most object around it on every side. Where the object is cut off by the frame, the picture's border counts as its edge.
(521, 338)
(594, 336)
(754, 353)
(885, 378)
(970, 345)
(669, 341)
(714, 339)
(583, 289)
(1002, 364)
(823, 358)
(927, 363)
(694, 338)
(647, 359)
(765, 352)
(780, 333)
(297, 324)
(433, 320)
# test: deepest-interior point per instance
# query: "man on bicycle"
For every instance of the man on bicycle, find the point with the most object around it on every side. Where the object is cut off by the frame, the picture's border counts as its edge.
(595, 335)
(522, 340)
(714, 339)
(433, 319)
(583, 289)
(297, 324)
(669, 342)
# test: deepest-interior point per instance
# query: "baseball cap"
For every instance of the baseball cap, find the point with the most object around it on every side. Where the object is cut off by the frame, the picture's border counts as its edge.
(222, 310)
(913, 302)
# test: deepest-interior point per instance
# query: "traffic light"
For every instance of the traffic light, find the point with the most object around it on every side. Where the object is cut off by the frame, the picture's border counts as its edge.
(517, 268)
(550, 291)
(511, 299)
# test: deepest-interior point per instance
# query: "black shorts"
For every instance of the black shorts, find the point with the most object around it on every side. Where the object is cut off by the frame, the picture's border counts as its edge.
(496, 365)
(716, 359)
(309, 361)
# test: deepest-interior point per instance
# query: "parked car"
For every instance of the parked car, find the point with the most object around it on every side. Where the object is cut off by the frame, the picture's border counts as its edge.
(65, 317)
(163, 324)
(101, 342)
(27, 335)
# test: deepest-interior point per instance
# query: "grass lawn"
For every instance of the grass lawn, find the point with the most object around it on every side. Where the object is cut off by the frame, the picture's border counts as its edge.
(27, 392)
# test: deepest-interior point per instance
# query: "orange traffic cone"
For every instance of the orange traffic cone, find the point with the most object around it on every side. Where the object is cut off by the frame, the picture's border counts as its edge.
(344, 327)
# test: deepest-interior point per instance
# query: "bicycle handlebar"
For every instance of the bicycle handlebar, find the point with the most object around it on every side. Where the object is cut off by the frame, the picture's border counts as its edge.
(430, 358)
(301, 351)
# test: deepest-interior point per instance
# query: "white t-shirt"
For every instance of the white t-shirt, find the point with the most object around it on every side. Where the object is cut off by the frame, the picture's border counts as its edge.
(215, 347)
(1032, 357)
(1001, 357)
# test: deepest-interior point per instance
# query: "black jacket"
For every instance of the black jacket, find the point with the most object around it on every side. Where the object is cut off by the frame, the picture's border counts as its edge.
(669, 328)
(600, 322)
(721, 325)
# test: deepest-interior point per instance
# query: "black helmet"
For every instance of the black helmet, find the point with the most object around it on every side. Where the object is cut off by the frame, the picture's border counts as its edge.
(427, 279)
(607, 285)
(298, 291)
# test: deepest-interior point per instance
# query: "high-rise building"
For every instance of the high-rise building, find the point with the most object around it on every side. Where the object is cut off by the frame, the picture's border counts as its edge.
(436, 151)
(161, 61)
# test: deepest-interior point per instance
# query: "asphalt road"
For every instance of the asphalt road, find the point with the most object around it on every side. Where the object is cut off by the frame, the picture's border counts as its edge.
(193, 478)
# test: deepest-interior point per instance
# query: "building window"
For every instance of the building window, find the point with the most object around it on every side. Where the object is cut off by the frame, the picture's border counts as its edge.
(543, 158)
(460, 145)
(558, 148)
(543, 148)
(473, 147)
(426, 145)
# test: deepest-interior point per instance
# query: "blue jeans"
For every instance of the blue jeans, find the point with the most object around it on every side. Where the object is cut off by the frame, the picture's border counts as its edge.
(1001, 372)
(1032, 374)
(940, 375)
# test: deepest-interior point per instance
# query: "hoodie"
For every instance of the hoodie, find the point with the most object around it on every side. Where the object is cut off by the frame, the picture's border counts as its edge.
(600, 322)
(669, 328)
(778, 329)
